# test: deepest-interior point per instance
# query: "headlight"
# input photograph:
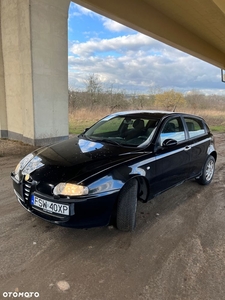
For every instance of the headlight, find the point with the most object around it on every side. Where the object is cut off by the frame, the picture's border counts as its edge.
(33, 165)
(69, 189)
(28, 164)
(23, 163)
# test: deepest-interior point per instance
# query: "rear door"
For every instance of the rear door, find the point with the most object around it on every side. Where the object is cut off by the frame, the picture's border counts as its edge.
(199, 141)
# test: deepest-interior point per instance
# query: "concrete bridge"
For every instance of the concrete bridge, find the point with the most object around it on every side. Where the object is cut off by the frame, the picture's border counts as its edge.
(34, 53)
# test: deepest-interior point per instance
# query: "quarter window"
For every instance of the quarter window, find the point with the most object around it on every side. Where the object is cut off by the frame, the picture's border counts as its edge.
(195, 127)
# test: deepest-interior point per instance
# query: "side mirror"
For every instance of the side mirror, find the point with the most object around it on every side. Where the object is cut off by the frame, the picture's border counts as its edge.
(85, 130)
(80, 135)
(169, 143)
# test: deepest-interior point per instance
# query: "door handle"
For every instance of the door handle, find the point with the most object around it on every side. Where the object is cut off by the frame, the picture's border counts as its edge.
(187, 148)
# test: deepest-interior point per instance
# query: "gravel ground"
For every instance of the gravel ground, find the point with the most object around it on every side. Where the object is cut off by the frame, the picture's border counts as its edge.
(176, 252)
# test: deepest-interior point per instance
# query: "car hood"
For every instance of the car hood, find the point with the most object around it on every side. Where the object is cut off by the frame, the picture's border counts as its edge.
(77, 159)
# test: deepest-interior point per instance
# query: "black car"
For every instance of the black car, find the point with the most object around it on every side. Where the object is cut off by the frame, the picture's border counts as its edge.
(95, 179)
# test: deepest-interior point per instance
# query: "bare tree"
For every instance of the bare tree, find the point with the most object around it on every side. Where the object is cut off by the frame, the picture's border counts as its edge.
(94, 90)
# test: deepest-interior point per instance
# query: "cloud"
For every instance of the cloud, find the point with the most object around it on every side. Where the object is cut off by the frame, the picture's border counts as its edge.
(135, 42)
(136, 63)
(115, 26)
(137, 72)
(77, 10)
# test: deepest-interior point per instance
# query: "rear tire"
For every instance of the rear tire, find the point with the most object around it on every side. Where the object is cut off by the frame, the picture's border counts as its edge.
(127, 206)
(208, 171)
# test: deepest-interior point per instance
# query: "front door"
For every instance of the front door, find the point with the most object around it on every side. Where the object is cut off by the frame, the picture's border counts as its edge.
(171, 164)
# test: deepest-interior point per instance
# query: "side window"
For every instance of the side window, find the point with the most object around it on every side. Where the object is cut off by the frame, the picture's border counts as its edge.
(195, 127)
(173, 129)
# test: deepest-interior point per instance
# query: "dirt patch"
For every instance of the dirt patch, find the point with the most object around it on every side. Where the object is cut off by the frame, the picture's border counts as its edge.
(9, 148)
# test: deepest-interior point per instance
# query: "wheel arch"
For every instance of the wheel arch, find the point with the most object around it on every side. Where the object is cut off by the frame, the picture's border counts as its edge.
(143, 193)
(143, 187)
(214, 154)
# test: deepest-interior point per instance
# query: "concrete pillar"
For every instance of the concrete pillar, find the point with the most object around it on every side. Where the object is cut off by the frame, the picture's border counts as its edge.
(49, 29)
(35, 59)
(3, 114)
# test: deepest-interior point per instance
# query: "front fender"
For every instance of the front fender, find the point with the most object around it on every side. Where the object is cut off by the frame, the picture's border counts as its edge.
(111, 181)
(115, 181)
(114, 178)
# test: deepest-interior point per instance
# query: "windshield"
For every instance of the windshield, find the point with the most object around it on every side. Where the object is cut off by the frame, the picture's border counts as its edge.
(135, 131)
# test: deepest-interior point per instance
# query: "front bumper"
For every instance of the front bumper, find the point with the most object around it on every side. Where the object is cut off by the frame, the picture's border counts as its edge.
(89, 211)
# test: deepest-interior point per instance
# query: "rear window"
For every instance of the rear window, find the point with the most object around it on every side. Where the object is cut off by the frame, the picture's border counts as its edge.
(195, 127)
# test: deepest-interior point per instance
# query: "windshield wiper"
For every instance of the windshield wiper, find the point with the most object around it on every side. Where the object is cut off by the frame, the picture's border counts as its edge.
(86, 137)
(96, 139)
(108, 141)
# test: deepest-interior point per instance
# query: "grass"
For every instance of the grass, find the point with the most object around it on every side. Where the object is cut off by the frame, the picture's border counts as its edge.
(83, 118)
(79, 126)
(217, 128)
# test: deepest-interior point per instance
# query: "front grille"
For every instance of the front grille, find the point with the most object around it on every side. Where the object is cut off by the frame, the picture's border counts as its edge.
(26, 190)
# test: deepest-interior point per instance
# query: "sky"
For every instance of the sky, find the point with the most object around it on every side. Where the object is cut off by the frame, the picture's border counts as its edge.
(126, 60)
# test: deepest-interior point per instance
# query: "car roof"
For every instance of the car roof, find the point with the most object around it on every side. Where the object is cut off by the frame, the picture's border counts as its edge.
(155, 112)
(159, 114)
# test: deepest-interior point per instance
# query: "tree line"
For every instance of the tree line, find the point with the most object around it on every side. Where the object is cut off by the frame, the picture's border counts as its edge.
(95, 96)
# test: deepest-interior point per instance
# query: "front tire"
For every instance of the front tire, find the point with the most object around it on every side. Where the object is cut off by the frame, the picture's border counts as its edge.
(208, 171)
(127, 206)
